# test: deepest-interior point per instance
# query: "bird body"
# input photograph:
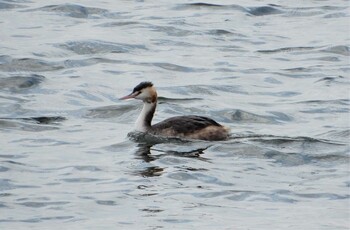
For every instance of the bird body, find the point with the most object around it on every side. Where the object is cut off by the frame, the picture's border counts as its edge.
(190, 127)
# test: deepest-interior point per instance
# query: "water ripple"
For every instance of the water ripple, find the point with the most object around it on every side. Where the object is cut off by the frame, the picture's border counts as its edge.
(27, 64)
(32, 204)
(16, 124)
(287, 49)
(7, 6)
(98, 47)
(243, 116)
(6, 184)
(74, 10)
(341, 49)
(38, 220)
(255, 11)
(17, 83)
(178, 68)
(207, 6)
(264, 10)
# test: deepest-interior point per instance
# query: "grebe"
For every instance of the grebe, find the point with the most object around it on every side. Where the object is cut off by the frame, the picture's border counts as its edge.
(192, 127)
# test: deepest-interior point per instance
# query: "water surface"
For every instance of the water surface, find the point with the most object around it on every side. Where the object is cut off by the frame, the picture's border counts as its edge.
(276, 73)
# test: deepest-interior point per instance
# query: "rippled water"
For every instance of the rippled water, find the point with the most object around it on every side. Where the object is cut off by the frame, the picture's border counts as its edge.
(276, 73)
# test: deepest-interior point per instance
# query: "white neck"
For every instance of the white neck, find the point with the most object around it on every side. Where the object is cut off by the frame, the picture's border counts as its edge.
(143, 122)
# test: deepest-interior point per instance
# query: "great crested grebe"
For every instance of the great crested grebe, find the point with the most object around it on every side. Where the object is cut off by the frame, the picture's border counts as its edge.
(192, 127)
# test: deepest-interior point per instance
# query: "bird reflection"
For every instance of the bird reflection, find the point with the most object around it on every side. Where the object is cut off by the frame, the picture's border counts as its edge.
(144, 153)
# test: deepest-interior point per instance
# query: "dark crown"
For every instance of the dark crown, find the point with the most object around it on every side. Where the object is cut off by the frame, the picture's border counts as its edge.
(142, 85)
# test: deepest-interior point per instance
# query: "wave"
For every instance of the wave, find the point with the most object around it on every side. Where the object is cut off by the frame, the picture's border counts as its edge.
(16, 83)
(83, 47)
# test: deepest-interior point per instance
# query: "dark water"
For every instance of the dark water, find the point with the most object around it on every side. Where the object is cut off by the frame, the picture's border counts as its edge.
(276, 73)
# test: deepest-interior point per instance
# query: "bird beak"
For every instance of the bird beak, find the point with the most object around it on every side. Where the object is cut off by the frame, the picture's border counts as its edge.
(131, 95)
